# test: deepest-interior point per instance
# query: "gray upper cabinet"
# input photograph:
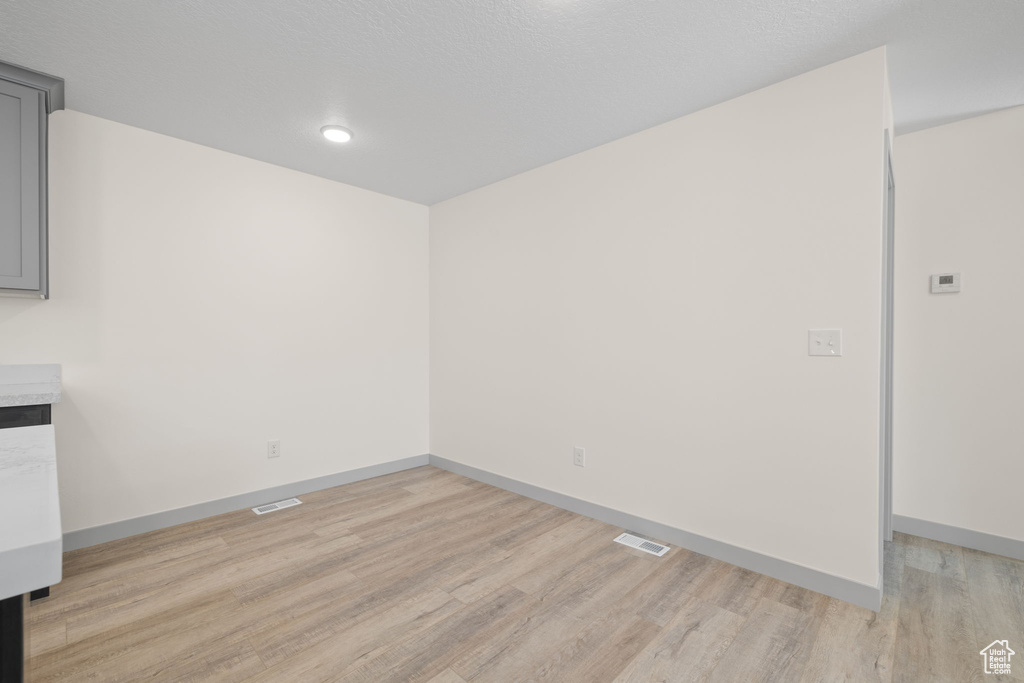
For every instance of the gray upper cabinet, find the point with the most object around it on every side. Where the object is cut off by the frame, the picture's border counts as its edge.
(21, 261)
(26, 97)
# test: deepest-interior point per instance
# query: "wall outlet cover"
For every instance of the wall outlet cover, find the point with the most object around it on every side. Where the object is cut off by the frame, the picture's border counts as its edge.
(824, 343)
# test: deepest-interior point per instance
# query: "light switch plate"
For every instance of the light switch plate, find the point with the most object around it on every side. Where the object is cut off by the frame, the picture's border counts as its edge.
(824, 342)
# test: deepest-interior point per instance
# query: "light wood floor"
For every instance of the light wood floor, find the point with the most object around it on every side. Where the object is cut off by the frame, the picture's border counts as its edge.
(427, 576)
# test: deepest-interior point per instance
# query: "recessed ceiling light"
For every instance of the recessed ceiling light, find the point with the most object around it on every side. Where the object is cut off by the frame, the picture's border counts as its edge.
(336, 133)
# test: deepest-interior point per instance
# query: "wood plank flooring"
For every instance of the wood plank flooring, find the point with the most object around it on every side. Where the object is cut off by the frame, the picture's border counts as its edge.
(427, 576)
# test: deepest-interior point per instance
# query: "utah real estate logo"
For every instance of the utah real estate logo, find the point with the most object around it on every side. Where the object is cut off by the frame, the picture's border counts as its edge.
(997, 657)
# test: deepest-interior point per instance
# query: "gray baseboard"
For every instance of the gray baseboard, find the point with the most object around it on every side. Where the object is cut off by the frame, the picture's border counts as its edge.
(860, 594)
(73, 540)
(968, 538)
(854, 592)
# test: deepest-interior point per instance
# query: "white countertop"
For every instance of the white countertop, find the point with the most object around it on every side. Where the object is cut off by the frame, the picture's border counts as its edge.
(29, 385)
(30, 532)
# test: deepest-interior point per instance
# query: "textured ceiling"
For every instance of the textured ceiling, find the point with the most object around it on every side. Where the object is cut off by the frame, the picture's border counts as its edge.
(448, 95)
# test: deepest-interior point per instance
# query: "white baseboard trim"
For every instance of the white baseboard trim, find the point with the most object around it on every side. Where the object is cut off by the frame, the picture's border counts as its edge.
(83, 538)
(968, 538)
(860, 594)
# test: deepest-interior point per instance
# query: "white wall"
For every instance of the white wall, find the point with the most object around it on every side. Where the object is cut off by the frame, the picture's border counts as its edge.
(204, 303)
(649, 300)
(959, 392)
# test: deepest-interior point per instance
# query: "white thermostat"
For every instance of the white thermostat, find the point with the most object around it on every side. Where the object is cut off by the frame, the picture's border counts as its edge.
(945, 282)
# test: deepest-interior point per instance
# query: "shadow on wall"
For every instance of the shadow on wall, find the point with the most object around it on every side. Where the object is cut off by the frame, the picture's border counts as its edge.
(79, 457)
(10, 308)
(942, 120)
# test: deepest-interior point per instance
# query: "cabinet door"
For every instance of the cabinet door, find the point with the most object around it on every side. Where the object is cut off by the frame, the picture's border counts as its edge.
(22, 143)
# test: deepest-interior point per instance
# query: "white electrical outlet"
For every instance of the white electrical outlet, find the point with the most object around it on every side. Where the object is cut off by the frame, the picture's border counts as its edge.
(274, 448)
(824, 342)
(579, 457)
